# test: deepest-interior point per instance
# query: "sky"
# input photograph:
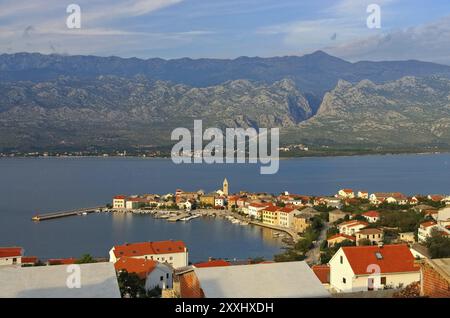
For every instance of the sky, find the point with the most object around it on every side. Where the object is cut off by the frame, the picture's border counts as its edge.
(409, 29)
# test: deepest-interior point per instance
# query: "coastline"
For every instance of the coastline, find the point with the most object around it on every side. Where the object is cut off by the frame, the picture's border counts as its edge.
(324, 155)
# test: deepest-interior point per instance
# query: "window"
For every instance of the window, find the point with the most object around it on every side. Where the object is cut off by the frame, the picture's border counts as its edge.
(167, 275)
(383, 280)
(344, 280)
(342, 259)
(161, 278)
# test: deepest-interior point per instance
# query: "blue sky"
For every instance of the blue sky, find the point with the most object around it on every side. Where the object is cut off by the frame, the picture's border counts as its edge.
(410, 29)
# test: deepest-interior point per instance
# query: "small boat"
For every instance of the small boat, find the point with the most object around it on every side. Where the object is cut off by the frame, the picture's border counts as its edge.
(84, 213)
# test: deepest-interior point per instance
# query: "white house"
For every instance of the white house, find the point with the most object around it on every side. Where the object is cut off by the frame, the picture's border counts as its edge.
(366, 268)
(443, 217)
(389, 197)
(371, 216)
(346, 193)
(254, 209)
(286, 216)
(174, 253)
(155, 274)
(219, 201)
(374, 236)
(363, 195)
(425, 230)
(11, 255)
(133, 203)
(351, 227)
(119, 202)
(185, 205)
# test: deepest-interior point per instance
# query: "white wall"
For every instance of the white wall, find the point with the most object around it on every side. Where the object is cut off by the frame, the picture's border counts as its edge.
(9, 260)
(154, 278)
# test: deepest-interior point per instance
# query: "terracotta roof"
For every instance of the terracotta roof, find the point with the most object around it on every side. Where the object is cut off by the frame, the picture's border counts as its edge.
(214, 263)
(353, 223)
(29, 260)
(189, 285)
(62, 261)
(428, 224)
(271, 209)
(348, 237)
(260, 205)
(287, 209)
(395, 195)
(372, 214)
(347, 190)
(10, 251)
(370, 231)
(139, 266)
(322, 272)
(148, 248)
(120, 197)
(436, 197)
(391, 258)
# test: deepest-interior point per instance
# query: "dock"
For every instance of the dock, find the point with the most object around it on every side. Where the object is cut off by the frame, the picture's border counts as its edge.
(177, 218)
(62, 214)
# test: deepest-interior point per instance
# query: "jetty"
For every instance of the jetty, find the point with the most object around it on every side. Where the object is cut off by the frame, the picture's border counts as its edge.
(62, 214)
(178, 217)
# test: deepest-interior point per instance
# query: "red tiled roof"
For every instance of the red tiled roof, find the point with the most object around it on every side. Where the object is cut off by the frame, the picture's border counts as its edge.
(120, 197)
(260, 205)
(348, 237)
(394, 259)
(372, 214)
(62, 261)
(287, 209)
(428, 224)
(139, 266)
(147, 248)
(370, 231)
(29, 260)
(436, 197)
(190, 286)
(272, 209)
(322, 272)
(347, 190)
(353, 223)
(10, 251)
(214, 263)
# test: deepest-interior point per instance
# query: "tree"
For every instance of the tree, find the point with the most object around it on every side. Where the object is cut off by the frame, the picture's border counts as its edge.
(332, 231)
(438, 245)
(86, 259)
(130, 285)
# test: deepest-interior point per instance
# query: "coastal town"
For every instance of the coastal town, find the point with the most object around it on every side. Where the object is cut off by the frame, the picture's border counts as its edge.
(350, 244)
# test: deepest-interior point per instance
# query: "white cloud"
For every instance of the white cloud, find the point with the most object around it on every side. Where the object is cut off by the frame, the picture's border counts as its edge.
(429, 42)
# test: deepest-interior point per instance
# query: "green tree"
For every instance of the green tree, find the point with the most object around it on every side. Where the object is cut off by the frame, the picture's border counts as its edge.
(86, 259)
(438, 245)
(130, 285)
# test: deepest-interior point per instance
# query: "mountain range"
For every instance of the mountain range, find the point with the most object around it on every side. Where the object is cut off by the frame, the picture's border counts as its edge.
(76, 102)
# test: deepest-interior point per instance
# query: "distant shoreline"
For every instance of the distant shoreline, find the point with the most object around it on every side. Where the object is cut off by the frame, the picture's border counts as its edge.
(321, 155)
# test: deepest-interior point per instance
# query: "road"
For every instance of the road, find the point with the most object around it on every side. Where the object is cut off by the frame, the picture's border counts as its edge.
(313, 255)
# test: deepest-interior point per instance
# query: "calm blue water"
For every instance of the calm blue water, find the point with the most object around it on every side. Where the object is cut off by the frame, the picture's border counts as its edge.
(28, 186)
